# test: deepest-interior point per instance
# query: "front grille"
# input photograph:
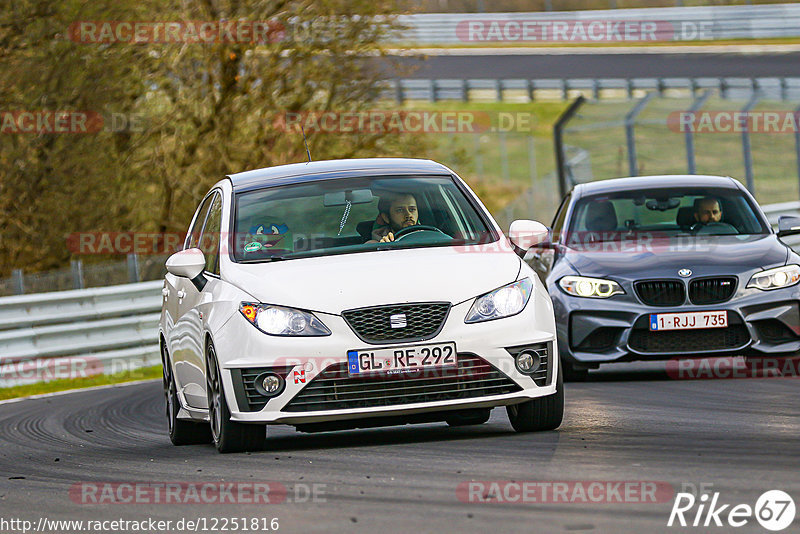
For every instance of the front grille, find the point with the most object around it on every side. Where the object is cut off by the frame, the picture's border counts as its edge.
(661, 292)
(680, 341)
(247, 398)
(334, 389)
(374, 325)
(600, 340)
(712, 290)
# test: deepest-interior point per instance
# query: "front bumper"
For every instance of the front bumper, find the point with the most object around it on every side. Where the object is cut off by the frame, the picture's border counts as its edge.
(306, 363)
(594, 331)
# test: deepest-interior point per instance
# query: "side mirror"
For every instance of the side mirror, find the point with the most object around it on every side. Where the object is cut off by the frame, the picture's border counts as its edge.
(190, 264)
(788, 225)
(525, 234)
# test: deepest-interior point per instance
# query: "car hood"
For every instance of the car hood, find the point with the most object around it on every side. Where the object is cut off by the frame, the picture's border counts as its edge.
(331, 284)
(704, 255)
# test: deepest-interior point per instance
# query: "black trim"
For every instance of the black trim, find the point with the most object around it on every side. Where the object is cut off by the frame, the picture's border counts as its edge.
(396, 341)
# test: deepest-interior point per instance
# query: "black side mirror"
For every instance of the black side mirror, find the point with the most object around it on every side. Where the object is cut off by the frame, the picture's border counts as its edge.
(788, 225)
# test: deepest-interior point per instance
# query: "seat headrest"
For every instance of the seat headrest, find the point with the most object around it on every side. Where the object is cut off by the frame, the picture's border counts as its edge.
(601, 217)
(685, 217)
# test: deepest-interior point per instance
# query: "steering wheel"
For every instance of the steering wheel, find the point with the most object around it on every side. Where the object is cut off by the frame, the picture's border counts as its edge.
(714, 228)
(416, 228)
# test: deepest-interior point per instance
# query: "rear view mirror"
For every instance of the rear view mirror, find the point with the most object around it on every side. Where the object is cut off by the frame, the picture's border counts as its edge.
(340, 198)
(788, 225)
(190, 264)
(525, 234)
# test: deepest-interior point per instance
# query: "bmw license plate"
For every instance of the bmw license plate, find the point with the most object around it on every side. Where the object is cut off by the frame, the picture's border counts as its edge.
(688, 320)
(398, 360)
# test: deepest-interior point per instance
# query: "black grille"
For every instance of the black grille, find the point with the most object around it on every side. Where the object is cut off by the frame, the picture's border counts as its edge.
(334, 389)
(712, 290)
(774, 331)
(680, 341)
(373, 325)
(600, 340)
(661, 292)
(247, 398)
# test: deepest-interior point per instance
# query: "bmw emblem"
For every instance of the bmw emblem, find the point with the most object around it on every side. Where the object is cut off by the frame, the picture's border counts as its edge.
(685, 273)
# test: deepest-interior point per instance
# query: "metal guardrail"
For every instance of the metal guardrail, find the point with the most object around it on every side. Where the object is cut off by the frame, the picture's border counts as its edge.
(528, 90)
(680, 24)
(106, 330)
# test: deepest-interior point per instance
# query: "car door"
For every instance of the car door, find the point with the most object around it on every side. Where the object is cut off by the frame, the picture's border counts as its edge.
(190, 363)
(173, 285)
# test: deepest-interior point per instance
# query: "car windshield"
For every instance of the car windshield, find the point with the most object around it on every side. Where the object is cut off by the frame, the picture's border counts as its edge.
(665, 212)
(342, 216)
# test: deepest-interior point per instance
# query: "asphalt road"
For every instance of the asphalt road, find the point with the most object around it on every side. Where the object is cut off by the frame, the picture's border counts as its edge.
(739, 435)
(595, 65)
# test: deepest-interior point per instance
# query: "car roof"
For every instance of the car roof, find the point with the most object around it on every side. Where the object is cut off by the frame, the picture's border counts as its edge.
(339, 168)
(651, 182)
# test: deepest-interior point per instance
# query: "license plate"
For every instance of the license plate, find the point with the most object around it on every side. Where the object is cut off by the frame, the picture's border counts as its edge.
(688, 320)
(398, 360)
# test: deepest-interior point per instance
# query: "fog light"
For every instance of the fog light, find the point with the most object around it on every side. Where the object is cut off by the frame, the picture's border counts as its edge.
(268, 384)
(528, 361)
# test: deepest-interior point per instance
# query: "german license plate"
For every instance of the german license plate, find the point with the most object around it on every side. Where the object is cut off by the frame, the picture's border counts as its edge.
(398, 360)
(688, 320)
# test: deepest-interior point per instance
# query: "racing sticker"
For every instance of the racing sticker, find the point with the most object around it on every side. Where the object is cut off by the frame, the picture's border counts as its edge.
(299, 376)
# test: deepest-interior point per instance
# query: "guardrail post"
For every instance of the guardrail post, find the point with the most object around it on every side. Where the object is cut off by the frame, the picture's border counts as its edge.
(746, 149)
(77, 274)
(398, 88)
(18, 282)
(433, 91)
(723, 88)
(565, 89)
(133, 268)
(696, 105)
(531, 89)
(784, 89)
(694, 85)
(630, 88)
(558, 142)
(596, 88)
(465, 90)
(630, 121)
(499, 88)
(660, 86)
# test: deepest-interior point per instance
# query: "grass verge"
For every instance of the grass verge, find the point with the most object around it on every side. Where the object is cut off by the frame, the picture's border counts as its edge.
(53, 386)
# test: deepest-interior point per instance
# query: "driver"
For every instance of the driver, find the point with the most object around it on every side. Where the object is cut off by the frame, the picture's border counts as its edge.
(707, 210)
(396, 212)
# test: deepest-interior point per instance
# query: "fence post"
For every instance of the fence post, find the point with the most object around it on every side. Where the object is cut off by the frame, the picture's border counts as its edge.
(77, 274)
(18, 282)
(558, 142)
(398, 88)
(630, 122)
(746, 149)
(133, 268)
(696, 105)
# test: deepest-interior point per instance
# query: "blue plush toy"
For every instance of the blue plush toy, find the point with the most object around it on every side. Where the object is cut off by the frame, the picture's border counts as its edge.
(263, 236)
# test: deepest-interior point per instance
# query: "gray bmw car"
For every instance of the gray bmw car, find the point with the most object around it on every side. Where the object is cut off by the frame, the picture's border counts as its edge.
(652, 268)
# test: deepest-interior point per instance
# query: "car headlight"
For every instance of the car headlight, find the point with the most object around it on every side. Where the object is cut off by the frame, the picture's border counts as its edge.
(596, 288)
(503, 302)
(280, 321)
(776, 278)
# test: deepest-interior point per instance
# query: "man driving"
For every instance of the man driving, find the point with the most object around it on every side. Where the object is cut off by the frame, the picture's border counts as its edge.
(707, 210)
(396, 211)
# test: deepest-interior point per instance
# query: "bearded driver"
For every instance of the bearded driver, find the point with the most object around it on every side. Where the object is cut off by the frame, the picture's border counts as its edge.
(395, 213)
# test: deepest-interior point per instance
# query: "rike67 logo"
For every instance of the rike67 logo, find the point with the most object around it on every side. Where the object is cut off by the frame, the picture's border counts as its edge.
(774, 510)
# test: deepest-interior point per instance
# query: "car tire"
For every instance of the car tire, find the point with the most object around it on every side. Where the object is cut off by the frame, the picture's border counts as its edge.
(473, 417)
(543, 413)
(180, 432)
(227, 435)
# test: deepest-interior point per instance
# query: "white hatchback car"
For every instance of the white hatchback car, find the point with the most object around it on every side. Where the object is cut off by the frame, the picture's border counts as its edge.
(353, 293)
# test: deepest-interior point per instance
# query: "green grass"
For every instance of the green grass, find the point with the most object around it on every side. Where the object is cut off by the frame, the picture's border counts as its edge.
(144, 373)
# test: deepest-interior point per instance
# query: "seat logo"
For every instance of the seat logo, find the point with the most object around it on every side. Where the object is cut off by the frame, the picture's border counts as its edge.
(685, 273)
(398, 320)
